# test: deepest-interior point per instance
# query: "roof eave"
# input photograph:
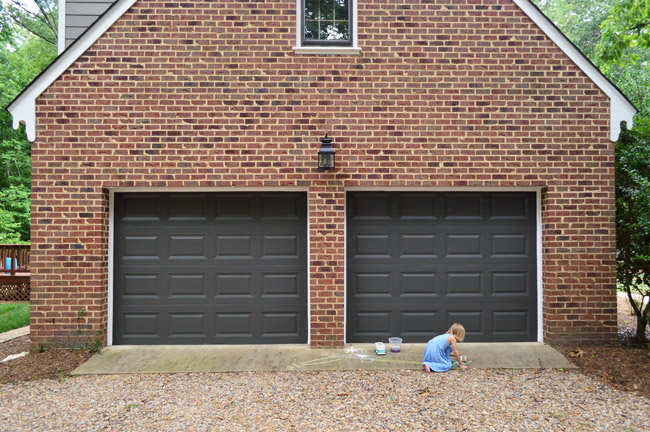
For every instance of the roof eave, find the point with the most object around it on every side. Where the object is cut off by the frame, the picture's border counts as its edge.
(621, 109)
(23, 107)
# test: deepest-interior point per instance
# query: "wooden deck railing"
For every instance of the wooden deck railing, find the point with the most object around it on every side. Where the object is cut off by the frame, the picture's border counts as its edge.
(15, 273)
(14, 263)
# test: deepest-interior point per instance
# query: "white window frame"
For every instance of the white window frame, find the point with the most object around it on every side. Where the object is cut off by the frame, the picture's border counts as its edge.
(331, 50)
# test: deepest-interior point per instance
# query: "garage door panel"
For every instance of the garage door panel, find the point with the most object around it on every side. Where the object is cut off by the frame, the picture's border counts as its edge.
(373, 284)
(140, 323)
(184, 325)
(234, 287)
(281, 285)
(419, 324)
(510, 245)
(414, 246)
(187, 286)
(283, 323)
(211, 268)
(473, 255)
(371, 207)
(237, 246)
(418, 207)
(464, 284)
(372, 323)
(281, 207)
(510, 322)
(141, 247)
(140, 285)
(146, 208)
(463, 245)
(280, 246)
(511, 283)
(472, 320)
(183, 208)
(187, 246)
(418, 284)
(464, 206)
(510, 206)
(502, 322)
(234, 324)
(236, 207)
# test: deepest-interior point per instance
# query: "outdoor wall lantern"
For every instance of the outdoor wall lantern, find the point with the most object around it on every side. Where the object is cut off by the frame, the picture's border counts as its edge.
(326, 156)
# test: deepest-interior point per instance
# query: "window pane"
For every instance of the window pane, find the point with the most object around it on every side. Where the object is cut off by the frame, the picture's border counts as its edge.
(326, 20)
(311, 30)
(311, 9)
(341, 10)
(337, 30)
(327, 9)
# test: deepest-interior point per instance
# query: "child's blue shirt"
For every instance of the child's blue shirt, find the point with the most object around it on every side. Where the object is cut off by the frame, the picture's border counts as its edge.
(436, 353)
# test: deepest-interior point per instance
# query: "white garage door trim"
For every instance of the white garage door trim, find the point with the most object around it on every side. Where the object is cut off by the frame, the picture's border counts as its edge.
(111, 238)
(538, 217)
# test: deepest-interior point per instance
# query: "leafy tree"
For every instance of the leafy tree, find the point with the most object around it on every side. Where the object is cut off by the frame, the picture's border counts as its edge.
(23, 55)
(633, 222)
(627, 26)
(615, 35)
(38, 17)
(579, 20)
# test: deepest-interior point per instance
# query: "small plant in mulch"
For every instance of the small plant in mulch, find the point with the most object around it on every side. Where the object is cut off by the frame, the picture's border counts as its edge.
(83, 334)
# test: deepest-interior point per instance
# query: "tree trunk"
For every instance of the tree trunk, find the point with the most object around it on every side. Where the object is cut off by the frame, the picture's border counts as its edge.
(640, 329)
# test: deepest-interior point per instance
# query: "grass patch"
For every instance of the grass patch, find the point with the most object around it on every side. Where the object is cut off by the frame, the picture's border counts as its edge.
(13, 316)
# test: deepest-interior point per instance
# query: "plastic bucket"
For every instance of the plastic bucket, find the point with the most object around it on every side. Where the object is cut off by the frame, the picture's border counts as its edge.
(395, 344)
(8, 265)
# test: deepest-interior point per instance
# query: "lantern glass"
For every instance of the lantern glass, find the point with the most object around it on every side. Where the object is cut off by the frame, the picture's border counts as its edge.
(326, 160)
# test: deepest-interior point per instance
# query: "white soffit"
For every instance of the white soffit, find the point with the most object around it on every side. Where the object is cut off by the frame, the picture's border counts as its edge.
(61, 29)
(23, 108)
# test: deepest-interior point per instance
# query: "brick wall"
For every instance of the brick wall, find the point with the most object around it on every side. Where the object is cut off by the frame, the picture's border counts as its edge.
(210, 94)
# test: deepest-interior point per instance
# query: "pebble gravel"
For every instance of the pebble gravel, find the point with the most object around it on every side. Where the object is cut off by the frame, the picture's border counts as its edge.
(474, 400)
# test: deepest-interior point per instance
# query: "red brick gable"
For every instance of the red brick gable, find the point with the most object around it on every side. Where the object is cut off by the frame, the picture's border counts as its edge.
(446, 94)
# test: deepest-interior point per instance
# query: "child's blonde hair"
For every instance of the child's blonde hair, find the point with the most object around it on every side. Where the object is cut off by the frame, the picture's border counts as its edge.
(457, 331)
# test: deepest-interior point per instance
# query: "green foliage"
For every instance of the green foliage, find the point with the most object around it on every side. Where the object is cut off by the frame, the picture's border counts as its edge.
(627, 26)
(13, 316)
(579, 20)
(16, 201)
(22, 58)
(37, 17)
(633, 221)
(615, 35)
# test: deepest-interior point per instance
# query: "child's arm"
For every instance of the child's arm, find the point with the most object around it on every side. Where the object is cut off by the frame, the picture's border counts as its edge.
(456, 354)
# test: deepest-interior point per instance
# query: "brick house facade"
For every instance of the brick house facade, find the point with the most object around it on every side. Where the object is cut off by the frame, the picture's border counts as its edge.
(466, 97)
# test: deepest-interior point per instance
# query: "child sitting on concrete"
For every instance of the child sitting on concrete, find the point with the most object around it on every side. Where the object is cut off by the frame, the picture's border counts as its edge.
(439, 349)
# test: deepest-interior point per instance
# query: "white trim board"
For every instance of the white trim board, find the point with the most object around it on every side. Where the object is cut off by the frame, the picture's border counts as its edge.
(110, 290)
(320, 50)
(61, 29)
(539, 283)
(23, 107)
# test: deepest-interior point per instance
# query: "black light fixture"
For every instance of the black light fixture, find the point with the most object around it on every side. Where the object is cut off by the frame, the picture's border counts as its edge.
(326, 156)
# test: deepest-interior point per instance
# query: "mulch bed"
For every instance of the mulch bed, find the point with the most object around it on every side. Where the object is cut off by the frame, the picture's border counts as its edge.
(625, 366)
(51, 364)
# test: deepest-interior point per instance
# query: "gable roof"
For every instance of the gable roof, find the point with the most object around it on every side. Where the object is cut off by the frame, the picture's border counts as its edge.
(23, 107)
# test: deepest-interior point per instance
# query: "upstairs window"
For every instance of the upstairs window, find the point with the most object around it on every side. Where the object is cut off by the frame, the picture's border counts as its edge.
(327, 23)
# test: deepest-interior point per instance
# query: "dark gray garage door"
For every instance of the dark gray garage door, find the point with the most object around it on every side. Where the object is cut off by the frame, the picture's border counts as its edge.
(418, 262)
(206, 268)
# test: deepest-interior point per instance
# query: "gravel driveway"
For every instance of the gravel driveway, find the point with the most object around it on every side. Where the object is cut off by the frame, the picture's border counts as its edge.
(483, 400)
